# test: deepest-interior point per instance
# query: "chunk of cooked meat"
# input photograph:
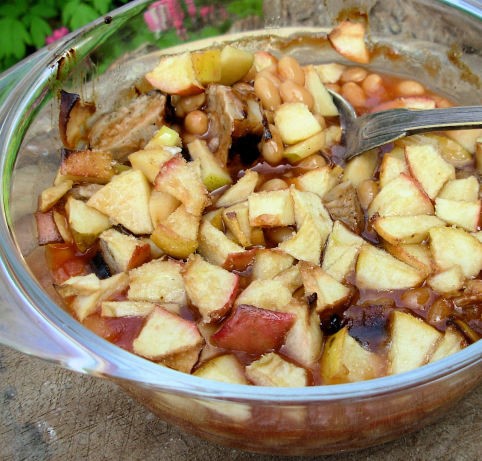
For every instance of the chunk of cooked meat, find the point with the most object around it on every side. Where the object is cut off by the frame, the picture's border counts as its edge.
(343, 205)
(129, 128)
(233, 113)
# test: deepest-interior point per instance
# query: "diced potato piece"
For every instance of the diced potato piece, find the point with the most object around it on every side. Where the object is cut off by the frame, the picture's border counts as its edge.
(270, 262)
(149, 161)
(447, 281)
(412, 342)
(50, 196)
(125, 199)
(210, 288)
(361, 167)
(295, 122)
(271, 208)
(265, 294)
(126, 308)
(466, 189)
(378, 270)
(319, 181)
(225, 368)
(272, 370)
(460, 213)
(451, 246)
(451, 343)
(344, 360)
(214, 246)
(240, 191)
(157, 281)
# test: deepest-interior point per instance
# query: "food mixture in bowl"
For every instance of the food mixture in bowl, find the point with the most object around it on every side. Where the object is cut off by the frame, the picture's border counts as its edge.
(208, 224)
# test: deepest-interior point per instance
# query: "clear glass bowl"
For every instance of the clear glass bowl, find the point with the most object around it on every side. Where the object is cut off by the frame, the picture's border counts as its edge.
(437, 42)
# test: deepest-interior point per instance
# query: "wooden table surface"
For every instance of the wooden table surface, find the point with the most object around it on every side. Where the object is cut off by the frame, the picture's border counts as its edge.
(48, 413)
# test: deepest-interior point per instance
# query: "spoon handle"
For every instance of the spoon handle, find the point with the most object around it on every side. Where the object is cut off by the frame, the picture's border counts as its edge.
(395, 123)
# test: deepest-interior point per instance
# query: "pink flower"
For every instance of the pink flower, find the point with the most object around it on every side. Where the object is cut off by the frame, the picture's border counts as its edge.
(157, 17)
(206, 11)
(56, 34)
(191, 7)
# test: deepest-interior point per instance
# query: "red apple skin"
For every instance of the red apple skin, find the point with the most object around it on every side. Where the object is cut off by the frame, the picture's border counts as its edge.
(240, 261)
(47, 229)
(253, 330)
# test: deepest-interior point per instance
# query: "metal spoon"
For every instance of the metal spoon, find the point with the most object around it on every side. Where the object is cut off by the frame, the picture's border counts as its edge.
(372, 130)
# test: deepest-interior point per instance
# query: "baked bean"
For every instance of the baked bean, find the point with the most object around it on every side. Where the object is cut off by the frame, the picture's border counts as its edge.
(333, 86)
(279, 234)
(267, 93)
(274, 184)
(354, 94)
(292, 92)
(272, 149)
(186, 104)
(312, 161)
(289, 69)
(416, 297)
(410, 88)
(373, 85)
(353, 74)
(270, 75)
(367, 190)
(196, 122)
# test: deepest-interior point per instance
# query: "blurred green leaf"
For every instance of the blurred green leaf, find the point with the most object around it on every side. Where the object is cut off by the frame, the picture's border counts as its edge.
(11, 10)
(102, 6)
(44, 10)
(39, 30)
(83, 15)
(14, 38)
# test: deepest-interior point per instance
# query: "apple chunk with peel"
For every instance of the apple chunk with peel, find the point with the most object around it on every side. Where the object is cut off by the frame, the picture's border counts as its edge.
(235, 64)
(295, 122)
(406, 229)
(344, 360)
(461, 189)
(428, 167)
(401, 197)
(175, 74)
(322, 102)
(378, 270)
(329, 292)
(460, 213)
(253, 330)
(451, 246)
(391, 167)
(214, 246)
(210, 288)
(149, 161)
(271, 208)
(348, 38)
(123, 252)
(451, 342)
(236, 219)
(207, 65)
(161, 205)
(225, 368)
(416, 255)
(126, 308)
(447, 281)
(240, 191)
(165, 334)
(125, 199)
(270, 262)
(182, 180)
(303, 149)
(319, 180)
(272, 370)
(50, 196)
(265, 294)
(412, 344)
(361, 167)
(157, 281)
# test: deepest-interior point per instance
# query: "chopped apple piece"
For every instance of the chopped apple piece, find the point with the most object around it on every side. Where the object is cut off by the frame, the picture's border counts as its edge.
(290, 278)
(161, 205)
(79, 285)
(348, 38)
(303, 149)
(361, 167)
(466, 138)
(306, 244)
(86, 223)
(406, 102)
(344, 360)
(125, 199)
(87, 166)
(322, 102)
(236, 219)
(303, 342)
(149, 161)
(319, 181)
(412, 342)
(123, 252)
(165, 334)
(329, 73)
(181, 179)
(50, 196)
(271, 208)
(235, 64)
(207, 66)
(240, 191)
(270, 262)
(213, 174)
(406, 229)
(329, 292)
(378, 270)
(391, 167)
(253, 330)
(272, 370)
(264, 60)
(265, 294)
(466, 189)
(416, 255)
(460, 213)
(126, 308)
(214, 246)
(183, 361)
(74, 115)
(210, 288)
(157, 281)
(310, 204)
(401, 197)
(341, 252)
(164, 137)
(447, 281)
(295, 122)
(175, 75)
(451, 246)
(429, 168)
(225, 368)
(62, 226)
(451, 343)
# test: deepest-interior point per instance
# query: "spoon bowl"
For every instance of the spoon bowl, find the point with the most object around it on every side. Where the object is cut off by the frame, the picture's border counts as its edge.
(376, 129)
